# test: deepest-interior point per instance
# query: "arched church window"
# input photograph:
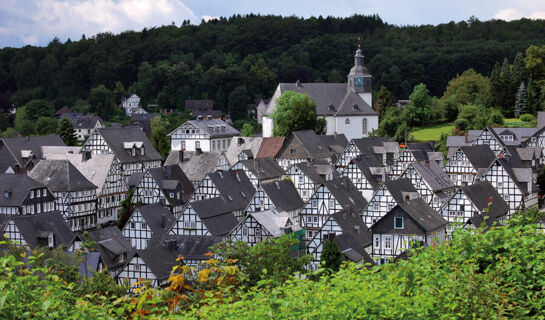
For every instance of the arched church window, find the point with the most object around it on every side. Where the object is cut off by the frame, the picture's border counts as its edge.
(347, 121)
(364, 125)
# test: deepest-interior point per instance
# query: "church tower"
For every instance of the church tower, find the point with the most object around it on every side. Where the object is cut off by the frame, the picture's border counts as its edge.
(359, 79)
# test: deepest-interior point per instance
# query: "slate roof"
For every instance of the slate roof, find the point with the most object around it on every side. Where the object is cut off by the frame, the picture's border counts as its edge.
(312, 144)
(199, 104)
(60, 176)
(433, 175)
(117, 137)
(15, 146)
(206, 113)
(423, 214)
(172, 177)
(63, 111)
(18, 186)
(310, 171)
(143, 117)
(80, 121)
(283, 195)
(273, 221)
(35, 228)
(195, 166)
(480, 156)
(214, 127)
(399, 188)
(240, 144)
(110, 242)
(134, 179)
(234, 187)
(343, 101)
(216, 214)
(263, 168)
(353, 227)
(158, 218)
(346, 194)
(336, 142)
(479, 194)
(363, 165)
(270, 147)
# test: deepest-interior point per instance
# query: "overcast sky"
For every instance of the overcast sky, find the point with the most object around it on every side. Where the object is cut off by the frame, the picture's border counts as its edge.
(36, 22)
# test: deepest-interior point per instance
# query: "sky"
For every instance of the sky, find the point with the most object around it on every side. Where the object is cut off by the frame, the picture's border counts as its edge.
(37, 22)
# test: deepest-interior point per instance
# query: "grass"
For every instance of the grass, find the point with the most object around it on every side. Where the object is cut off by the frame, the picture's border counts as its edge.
(431, 133)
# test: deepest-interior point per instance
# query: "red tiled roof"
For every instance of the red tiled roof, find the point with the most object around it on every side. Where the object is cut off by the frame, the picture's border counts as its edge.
(270, 147)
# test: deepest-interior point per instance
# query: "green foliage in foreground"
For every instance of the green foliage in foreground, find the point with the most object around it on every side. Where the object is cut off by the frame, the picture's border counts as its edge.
(497, 274)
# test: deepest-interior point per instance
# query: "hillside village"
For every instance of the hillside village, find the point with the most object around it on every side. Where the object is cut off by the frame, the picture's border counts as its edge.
(371, 195)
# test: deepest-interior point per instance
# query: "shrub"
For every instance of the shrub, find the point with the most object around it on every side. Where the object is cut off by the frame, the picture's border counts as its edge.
(527, 117)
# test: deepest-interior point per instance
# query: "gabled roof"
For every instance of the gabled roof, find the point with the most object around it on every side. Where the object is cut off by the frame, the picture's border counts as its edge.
(169, 177)
(18, 149)
(336, 142)
(240, 144)
(312, 144)
(480, 156)
(433, 175)
(399, 188)
(310, 171)
(117, 138)
(35, 229)
(64, 110)
(80, 121)
(213, 127)
(18, 186)
(283, 195)
(423, 214)
(143, 117)
(158, 218)
(270, 147)
(195, 166)
(338, 95)
(110, 242)
(263, 168)
(273, 221)
(363, 165)
(234, 187)
(60, 176)
(483, 193)
(352, 225)
(216, 214)
(346, 194)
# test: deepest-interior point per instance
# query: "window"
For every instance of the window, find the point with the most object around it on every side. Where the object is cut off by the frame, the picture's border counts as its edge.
(314, 203)
(309, 219)
(387, 242)
(213, 144)
(292, 151)
(398, 223)
(315, 219)
(376, 206)
(197, 144)
(364, 126)
(390, 206)
(300, 179)
(31, 194)
(133, 225)
(377, 241)
(143, 225)
(347, 121)
(224, 144)
(331, 204)
(244, 231)
(136, 267)
(304, 193)
(190, 224)
(182, 145)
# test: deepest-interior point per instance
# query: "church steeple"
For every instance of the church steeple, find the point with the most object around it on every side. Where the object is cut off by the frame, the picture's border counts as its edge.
(359, 79)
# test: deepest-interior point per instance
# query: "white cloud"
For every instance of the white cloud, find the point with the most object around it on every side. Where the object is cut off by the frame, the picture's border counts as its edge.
(538, 15)
(508, 14)
(70, 19)
(208, 18)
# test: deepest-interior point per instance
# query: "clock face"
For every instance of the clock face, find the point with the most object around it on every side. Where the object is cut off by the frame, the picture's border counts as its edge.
(358, 81)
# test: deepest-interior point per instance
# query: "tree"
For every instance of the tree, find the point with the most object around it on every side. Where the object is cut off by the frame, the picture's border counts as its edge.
(118, 94)
(66, 132)
(384, 101)
(419, 109)
(22, 124)
(247, 130)
(39, 108)
(469, 87)
(294, 111)
(389, 123)
(100, 99)
(331, 257)
(520, 102)
(238, 103)
(449, 107)
(159, 136)
(46, 125)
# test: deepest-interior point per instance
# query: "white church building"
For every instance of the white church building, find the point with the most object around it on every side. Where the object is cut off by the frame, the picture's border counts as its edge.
(345, 106)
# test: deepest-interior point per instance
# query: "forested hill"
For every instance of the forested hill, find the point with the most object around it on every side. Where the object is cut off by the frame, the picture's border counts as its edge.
(169, 64)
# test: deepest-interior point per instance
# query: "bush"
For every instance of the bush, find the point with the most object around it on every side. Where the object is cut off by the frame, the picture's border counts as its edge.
(461, 124)
(527, 117)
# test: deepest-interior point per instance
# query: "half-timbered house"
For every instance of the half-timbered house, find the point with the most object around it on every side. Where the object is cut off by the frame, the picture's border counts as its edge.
(513, 180)
(262, 170)
(196, 165)
(168, 185)
(430, 180)
(301, 146)
(47, 229)
(261, 225)
(21, 195)
(145, 222)
(130, 145)
(347, 229)
(405, 225)
(76, 196)
(155, 263)
(242, 148)
(305, 178)
(206, 135)
(386, 150)
(331, 196)
(222, 183)
(467, 163)
(415, 152)
(280, 195)
(360, 172)
(104, 171)
(473, 202)
(114, 248)
(388, 195)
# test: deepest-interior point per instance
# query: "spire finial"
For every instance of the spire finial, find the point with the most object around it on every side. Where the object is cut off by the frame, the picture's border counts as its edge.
(359, 45)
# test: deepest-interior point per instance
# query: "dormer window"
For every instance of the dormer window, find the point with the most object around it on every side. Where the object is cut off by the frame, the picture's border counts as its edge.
(133, 151)
(142, 151)
(6, 194)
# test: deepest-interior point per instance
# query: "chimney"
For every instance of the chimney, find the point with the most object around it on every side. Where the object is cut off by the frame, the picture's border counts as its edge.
(181, 156)
(298, 84)
(199, 118)
(335, 135)
(465, 135)
(85, 155)
(27, 138)
(237, 173)
(198, 151)
(277, 184)
(427, 163)
(407, 198)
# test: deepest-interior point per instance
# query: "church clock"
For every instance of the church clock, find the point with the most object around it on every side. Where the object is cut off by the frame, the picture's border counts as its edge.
(358, 81)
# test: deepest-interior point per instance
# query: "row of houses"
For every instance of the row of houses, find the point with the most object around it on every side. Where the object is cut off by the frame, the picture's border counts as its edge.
(373, 197)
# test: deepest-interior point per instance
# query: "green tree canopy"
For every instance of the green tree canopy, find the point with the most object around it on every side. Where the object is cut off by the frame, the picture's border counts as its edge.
(331, 257)
(419, 109)
(46, 125)
(469, 87)
(66, 132)
(294, 111)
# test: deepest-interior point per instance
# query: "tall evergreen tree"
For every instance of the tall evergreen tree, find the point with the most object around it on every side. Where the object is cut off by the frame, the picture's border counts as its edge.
(66, 132)
(331, 257)
(384, 101)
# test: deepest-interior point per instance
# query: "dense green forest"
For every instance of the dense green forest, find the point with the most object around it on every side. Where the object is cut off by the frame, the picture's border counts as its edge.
(238, 59)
